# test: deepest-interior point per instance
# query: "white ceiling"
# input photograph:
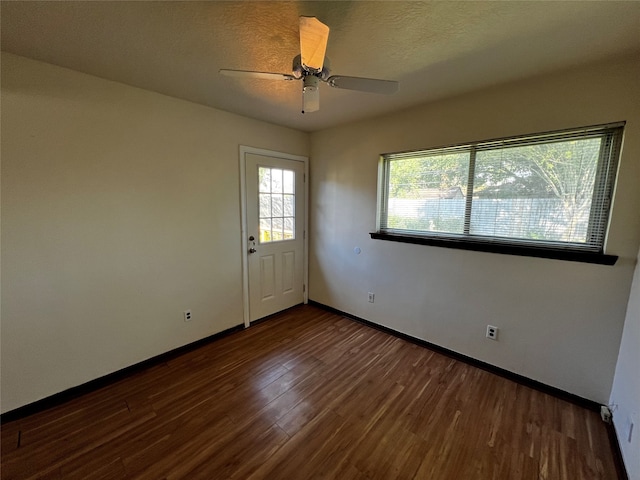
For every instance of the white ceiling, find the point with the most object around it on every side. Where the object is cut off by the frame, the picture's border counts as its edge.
(434, 49)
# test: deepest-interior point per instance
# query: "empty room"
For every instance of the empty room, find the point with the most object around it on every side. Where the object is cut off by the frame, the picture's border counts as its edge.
(326, 239)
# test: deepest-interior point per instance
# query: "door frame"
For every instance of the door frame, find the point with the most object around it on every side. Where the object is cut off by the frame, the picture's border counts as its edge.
(244, 150)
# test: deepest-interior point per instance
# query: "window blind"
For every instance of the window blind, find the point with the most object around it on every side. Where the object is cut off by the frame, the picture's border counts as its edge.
(545, 190)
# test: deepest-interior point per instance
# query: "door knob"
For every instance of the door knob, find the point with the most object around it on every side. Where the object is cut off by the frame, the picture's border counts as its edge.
(252, 250)
(251, 238)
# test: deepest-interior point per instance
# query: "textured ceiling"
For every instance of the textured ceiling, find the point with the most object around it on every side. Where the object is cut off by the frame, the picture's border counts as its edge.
(435, 49)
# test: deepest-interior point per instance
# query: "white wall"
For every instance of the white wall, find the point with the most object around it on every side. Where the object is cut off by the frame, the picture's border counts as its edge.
(120, 209)
(625, 395)
(560, 321)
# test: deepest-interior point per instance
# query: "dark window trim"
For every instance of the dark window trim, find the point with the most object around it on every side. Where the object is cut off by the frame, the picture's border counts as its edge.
(494, 247)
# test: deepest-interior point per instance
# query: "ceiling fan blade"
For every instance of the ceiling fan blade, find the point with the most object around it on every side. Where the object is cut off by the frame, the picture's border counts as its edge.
(370, 85)
(313, 42)
(310, 94)
(260, 75)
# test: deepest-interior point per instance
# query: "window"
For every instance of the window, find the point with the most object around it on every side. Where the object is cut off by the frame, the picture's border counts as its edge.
(544, 192)
(277, 204)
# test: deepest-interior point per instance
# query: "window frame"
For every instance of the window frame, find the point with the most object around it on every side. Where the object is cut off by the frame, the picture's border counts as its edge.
(599, 217)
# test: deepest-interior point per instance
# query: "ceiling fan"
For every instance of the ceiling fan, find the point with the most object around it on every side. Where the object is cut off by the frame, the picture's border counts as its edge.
(311, 66)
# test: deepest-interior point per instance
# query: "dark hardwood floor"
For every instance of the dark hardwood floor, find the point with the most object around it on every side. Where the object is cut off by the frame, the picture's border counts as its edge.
(310, 394)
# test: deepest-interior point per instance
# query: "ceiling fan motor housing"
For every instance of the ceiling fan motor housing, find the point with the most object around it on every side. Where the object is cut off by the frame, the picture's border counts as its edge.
(299, 70)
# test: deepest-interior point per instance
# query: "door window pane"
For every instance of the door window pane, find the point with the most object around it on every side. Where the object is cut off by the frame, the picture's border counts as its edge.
(276, 180)
(265, 205)
(287, 181)
(264, 179)
(276, 205)
(265, 230)
(289, 205)
(288, 228)
(277, 229)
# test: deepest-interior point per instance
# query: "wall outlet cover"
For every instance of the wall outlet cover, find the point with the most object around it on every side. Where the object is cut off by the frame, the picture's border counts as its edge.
(492, 332)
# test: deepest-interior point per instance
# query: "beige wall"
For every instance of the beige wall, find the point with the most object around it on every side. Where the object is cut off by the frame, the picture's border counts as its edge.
(120, 209)
(560, 321)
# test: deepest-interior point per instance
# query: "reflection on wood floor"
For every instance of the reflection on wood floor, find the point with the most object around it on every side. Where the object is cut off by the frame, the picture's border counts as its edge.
(310, 394)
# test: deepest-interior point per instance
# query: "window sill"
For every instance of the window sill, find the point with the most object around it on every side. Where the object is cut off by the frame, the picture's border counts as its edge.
(521, 250)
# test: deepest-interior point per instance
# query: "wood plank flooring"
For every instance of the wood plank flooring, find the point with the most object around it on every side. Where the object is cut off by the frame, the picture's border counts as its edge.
(310, 394)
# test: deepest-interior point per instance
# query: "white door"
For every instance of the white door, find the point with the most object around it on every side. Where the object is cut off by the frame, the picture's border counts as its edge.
(275, 206)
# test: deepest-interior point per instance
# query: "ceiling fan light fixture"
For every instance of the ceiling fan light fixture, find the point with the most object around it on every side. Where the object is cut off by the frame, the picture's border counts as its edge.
(310, 94)
(311, 83)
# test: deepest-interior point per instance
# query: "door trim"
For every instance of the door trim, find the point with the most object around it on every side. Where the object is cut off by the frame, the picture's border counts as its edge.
(243, 226)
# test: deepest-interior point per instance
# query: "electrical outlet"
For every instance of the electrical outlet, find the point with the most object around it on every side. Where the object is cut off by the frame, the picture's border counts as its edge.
(187, 315)
(371, 297)
(605, 413)
(492, 332)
